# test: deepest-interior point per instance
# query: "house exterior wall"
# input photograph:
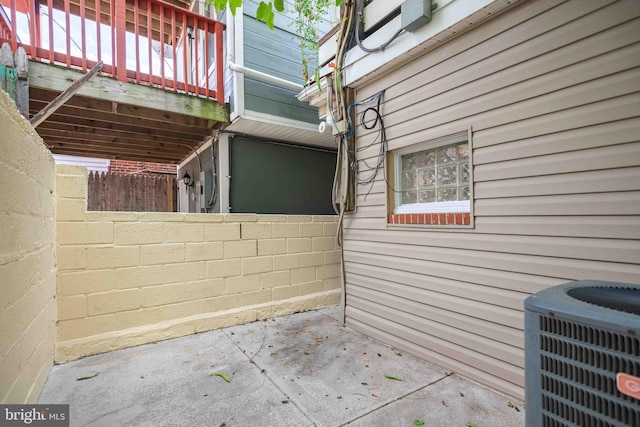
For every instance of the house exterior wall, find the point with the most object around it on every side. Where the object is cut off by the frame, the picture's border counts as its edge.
(275, 52)
(131, 278)
(549, 90)
(27, 258)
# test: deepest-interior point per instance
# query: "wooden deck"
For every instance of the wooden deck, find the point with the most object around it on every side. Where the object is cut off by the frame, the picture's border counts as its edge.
(151, 110)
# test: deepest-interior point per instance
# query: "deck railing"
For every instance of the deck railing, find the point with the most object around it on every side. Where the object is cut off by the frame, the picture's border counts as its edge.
(149, 42)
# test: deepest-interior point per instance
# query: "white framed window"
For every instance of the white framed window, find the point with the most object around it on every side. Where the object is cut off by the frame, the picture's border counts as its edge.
(434, 176)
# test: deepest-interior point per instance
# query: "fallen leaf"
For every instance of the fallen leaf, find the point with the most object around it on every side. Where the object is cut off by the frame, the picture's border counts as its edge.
(442, 401)
(391, 377)
(285, 401)
(379, 355)
(364, 383)
(87, 378)
(398, 353)
(141, 376)
(223, 376)
(418, 422)
(470, 425)
(461, 395)
(205, 395)
(339, 396)
(375, 395)
(306, 352)
(308, 331)
(510, 405)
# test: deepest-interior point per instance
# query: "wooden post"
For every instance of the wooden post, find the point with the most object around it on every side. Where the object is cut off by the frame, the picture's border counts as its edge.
(120, 57)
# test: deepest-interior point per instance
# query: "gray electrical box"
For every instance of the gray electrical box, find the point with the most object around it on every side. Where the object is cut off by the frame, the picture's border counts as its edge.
(415, 14)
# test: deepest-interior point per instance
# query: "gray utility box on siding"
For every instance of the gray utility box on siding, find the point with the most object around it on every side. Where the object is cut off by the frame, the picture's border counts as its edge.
(582, 350)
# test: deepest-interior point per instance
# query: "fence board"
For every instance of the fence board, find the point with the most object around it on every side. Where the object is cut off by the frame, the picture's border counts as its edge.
(110, 191)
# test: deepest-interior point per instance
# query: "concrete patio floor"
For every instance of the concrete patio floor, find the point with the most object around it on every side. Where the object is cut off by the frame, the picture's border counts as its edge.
(299, 370)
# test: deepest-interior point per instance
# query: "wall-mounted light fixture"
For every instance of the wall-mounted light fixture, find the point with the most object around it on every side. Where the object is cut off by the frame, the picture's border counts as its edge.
(188, 181)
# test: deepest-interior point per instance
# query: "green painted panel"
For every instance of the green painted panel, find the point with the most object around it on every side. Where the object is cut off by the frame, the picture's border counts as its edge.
(268, 177)
(270, 99)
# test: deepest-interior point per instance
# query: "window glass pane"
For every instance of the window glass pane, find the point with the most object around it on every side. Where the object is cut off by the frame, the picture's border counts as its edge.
(435, 175)
(427, 196)
(447, 175)
(427, 177)
(465, 194)
(408, 180)
(464, 173)
(463, 152)
(446, 154)
(447, 194)
(409, 197)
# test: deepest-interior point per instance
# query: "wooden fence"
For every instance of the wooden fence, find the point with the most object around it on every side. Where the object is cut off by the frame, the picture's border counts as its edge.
(131, 192)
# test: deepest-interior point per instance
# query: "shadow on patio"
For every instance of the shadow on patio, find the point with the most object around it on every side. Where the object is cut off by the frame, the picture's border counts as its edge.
(298, 370)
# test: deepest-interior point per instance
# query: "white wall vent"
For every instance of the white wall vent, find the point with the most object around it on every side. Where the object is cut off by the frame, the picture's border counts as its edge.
(582, 348)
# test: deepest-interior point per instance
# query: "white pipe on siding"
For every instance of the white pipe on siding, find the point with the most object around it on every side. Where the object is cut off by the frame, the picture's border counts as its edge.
(265, 77)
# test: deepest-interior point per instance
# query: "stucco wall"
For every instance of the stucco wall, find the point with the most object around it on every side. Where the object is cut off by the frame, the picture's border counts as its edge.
(131, 278)
(27, 258)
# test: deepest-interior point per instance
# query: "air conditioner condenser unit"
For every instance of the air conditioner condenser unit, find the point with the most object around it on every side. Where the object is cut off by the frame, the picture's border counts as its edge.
(582, 350)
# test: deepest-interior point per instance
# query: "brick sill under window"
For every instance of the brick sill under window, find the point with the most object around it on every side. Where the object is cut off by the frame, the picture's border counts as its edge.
(454, 219)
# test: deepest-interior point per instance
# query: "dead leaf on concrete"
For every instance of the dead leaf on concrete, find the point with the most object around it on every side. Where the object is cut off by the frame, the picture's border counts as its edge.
(442, 401)
(87, 378)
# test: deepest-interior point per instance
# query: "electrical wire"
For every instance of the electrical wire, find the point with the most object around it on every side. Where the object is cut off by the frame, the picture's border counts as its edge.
(359, 22)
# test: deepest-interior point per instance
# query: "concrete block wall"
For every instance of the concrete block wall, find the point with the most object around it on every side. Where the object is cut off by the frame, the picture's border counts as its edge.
(27, 258)
(130, 278)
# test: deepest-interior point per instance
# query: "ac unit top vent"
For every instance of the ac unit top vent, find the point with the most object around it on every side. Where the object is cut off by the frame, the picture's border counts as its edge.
(616, 298)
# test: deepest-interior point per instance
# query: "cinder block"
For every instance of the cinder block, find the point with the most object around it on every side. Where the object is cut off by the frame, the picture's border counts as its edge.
(162, 254)
(222, 232)
(222, 303)
(137, 233)
(330, 229)
(311, 259)
(71, 209)
(72, 186)
(272, 247)
(271, 218)
(311, 287)
(311, 229)
(299, 218)
(255, 231)
(324, 244)
(204, 289)
(327, 271)
(332, 257)
(285, 292)
(139, 277)
(112, 257)
(86, 327)
(140, 317)
(284, 230)
(240, 249)
(163, 294)
(163, 217)
(80, 233)
(256, 297)
(72, 307)
(183, 232)
(183, 309)
(330, 284)
(325, 218)
(257, 265)
(185, 272)
(224, 268)
(113, 301)
(95, 216)
(242, 217)
(240, 284)
(71, 257)
(274, 279)
(295, 246)
(204, 251)
(203, 217)
(286, 262)
(85, 282)
(302, 275)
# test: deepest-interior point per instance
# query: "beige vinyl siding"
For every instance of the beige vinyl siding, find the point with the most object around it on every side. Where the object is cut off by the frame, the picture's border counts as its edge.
(551, 91)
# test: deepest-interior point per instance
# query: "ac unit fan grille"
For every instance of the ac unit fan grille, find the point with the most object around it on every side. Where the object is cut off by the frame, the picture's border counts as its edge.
(578, 375)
